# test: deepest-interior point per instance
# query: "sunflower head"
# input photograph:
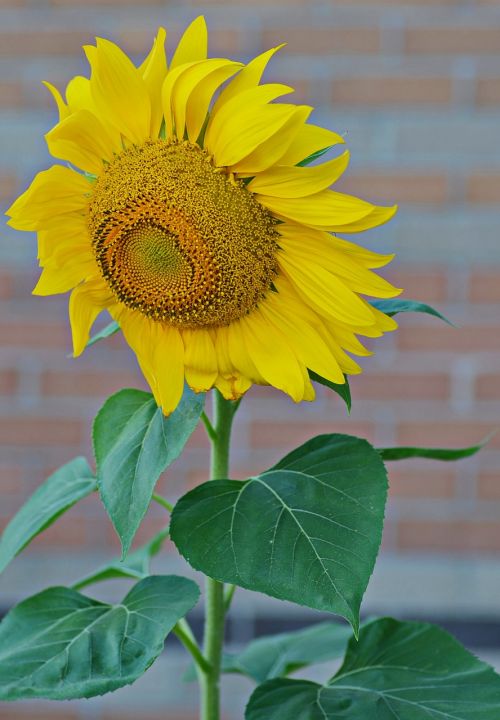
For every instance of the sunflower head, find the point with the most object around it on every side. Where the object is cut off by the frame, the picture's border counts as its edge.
(189, 213)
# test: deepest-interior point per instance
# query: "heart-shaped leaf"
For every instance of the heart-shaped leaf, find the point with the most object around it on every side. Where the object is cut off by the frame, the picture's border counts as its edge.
(135, 566)
(62, 645)
(397, 671)
(58, 493)
(270, 657)
(308, 530)
(133, 444)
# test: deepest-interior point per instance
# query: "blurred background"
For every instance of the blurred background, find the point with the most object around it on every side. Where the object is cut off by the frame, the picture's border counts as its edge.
(416, 87)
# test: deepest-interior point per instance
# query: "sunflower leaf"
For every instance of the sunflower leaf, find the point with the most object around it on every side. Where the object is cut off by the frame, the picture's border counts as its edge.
(344, 391)
(446, 454)
(106, 332)
(62, 645)
(307, 530)
(58, 493)
(397, 671)
(133, 444)
(136, 565)
(393, 306)
(278, 655)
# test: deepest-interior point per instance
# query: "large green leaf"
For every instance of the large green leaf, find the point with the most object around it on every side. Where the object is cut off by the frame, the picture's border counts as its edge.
(343, 391)
(397, 671)
(61, 645)
(308, 530)
(58, 493)
(446, 454)
(135, 565)
(134, 443)
(393, 306)
(270, 657)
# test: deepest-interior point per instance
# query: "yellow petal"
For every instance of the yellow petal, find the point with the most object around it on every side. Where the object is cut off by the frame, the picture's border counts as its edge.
(309, 140)
(269, 152)
(250, 99)
(238, 354)
(314, 247)
(85, 303)
(193, 91)
(193, 45)
(61, 105)
(293, 182)
(119, 91)
(232, 388)
(378, 216)
(154, 72)
(79, 95)
(56, 280)
(167, 91)
(367, 258)
(160, 353)
(82, 140)
(248, 78)
(302, 337)
(326, 210)
(247, 129)
(200, 359)
(53, 192)
(325, 292)
(272, 355)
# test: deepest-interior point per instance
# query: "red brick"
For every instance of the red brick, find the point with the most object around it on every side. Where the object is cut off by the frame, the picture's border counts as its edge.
(392, 386)
(400, 91)
(88, 383)
(449, 536)
(460, 40)
(463, 339)
(483, 188)
(428, 284)
(484, 286)
(40, 431)
(9, 381)
(43, 42)
(290, 434)
(68, 531)
(423, 483)
(392, 3)
(11, 479)
(6, 285)
(8, 186)
(11, 95)
(224, 41)
(111, 3)
(7, 712)
(488, 386)
(488, 91)
(324, 40)
(488, 485)
(378, 186)
(38, 335)
(453, 434)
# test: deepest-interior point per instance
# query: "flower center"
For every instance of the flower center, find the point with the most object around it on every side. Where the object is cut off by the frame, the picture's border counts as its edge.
(178, 239)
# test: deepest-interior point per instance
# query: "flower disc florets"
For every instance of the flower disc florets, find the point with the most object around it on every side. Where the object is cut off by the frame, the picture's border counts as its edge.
(180, 240)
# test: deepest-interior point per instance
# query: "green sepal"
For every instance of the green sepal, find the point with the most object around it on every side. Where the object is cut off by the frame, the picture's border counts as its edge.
(308, 530)
(344, 391)
(106, 332)
(62, 645)
(58, 493)
(133, 444)
(314, 156)
(393, 306)
(396, 671)
(445, 454)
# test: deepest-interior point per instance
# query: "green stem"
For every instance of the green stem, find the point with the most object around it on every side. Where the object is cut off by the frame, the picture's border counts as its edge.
(214, 591)
(163, 502)
(208, 427)
(183, 632)
(228, 597)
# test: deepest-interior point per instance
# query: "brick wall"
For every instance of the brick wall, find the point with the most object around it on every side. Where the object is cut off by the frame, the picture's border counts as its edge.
(416, 85)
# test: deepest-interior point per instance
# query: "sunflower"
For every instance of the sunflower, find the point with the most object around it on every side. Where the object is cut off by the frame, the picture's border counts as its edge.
(187, 210)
